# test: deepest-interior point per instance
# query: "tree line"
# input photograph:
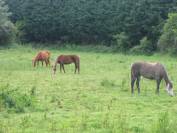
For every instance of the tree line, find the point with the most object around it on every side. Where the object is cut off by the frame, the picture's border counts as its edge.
(130, 25)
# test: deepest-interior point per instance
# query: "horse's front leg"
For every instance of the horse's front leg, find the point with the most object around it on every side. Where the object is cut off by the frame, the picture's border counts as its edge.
(158, 85)
(75, 68)
(78, 67)
(46, 63)
(37, 63)
(42, 62)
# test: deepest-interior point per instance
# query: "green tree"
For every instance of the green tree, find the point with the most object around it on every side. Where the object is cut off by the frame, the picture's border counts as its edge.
(168, 39)
(6, 27)
(91, 21)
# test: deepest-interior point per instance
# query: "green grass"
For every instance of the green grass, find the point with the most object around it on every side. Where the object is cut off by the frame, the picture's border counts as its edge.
(98, 100)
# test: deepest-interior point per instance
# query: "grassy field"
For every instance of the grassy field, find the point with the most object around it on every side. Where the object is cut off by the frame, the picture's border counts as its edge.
(98, 100)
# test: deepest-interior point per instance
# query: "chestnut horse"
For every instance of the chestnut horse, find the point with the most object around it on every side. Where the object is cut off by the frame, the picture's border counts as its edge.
(67, 59)
(43, 56)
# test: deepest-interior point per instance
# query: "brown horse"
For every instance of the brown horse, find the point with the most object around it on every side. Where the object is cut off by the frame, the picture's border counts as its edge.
(67, 59)
(43, 56)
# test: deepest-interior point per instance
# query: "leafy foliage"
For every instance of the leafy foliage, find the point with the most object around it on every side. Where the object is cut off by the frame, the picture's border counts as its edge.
(168, 40)
(14, 101)
(92, 21)
(122, 41)
(6, 27)
(145, 47)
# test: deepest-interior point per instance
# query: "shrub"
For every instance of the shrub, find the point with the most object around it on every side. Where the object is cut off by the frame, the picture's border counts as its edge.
(7, 29)
(145, 47)
(122, 42)
(7, 33)
(168, 39)
(20, 32)
(107, 83)
(13, 100)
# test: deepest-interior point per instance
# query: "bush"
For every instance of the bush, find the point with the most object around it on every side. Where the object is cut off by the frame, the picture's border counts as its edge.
(122, 42)
(7, 33)
(93, 21)
(145, 47)
(20, 32)
(168, 39)
(7, 29)
(13, 100)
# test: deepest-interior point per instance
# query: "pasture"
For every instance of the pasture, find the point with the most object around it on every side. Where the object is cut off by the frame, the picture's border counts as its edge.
(98, 100)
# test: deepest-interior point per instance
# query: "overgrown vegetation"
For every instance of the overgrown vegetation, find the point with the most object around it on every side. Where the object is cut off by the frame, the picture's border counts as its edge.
(123, 23)
(7, 29)
(164, 124)
(168, 39)
(14, 101)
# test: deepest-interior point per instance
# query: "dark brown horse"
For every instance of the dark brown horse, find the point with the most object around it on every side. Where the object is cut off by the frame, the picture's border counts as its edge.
(43, 56)
(67, 59)
(154, 71)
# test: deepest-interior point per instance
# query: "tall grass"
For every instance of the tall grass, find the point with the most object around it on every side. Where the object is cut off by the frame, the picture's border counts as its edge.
(12, 100)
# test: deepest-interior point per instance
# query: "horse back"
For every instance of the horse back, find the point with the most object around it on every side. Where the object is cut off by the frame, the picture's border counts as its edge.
(67, 59)
(42, 55)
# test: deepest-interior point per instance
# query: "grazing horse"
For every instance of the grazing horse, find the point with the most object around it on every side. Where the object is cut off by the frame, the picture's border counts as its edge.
(67, 59)
(43, 56)
(154, 71)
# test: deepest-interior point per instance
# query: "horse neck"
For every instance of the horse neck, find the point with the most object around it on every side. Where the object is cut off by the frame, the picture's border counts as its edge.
(34, 62)
(167, 81)
(55, 64)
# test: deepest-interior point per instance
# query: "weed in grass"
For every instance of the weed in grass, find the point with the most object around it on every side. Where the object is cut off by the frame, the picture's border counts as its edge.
(137, 129)
(116, 123)
(53, 126)
(12, 100)
(25, 123)
(120, 124)
(107, 83)
(33, 91)
(4, 127)
(124, 85)
(83, 122)
(53, 99)
(163, 124)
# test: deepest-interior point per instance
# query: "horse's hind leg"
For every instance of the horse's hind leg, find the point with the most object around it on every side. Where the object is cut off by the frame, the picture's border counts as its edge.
(132, 83)
(138, 84)
(60, 68)
(76, 67)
